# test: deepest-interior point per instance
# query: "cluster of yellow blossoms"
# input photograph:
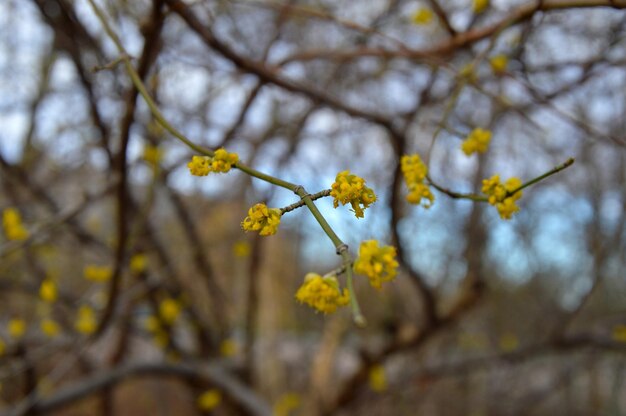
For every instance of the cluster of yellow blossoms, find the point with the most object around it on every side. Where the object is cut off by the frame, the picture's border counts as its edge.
(422, 16)
(263, 219)
(351, 189)
(86, 322)
(97, 273)
(222, 161)
(322, 293)
(498, 63)
(476, 142)
(415, 171)
(501, 195)
(12, 225)
(377, 263)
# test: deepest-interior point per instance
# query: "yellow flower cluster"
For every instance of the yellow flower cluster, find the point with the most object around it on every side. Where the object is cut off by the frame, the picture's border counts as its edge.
(286, 404)
(152, 324)
(322, 293)
(49, 327)
(377, 379)
(479, 6)
(97, 273)
(86, 321)
(12, 225)
(377, 263)
(209, 400)
(415, 171)
(263, 219)
(422, 16)
(170, 309)
(500, 195)
(17, 328)
(221, 161)
(476, 142)
(48, 291)
(498, 63)
(349, 188)
(152, 155)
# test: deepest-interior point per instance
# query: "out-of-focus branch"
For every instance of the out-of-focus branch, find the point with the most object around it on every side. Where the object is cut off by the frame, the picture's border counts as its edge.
(215, 374)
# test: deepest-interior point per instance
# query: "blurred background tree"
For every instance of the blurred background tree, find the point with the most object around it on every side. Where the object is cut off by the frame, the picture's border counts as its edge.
(128, 286)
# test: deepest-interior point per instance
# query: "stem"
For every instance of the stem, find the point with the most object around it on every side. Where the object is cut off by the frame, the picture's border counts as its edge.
(569, 162)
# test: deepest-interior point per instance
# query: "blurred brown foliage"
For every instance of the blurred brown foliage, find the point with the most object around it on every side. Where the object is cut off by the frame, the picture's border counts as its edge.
(487, 317)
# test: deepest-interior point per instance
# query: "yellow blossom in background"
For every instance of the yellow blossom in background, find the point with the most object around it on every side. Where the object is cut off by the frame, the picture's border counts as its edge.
(48, 291)
(152, 155)
(468, 72)
(222, 162)
(228, 347)
(49, 327)
(170, 309)
(500, 195)
(476, 142)
(498, 63)
(3, 347)
(209, 400)
(151, 323)
(508, 342)
(138, 263)
(12, 225)
(349, 188)
(619, 333)
(86, 321)
(479, 6)
(322, 293)
(286, 404)
(97, 273)
(377, 263)
(241, 248)
(377, 378)
(263, 219)
(414, 172)
(422, 16)
(17, 328)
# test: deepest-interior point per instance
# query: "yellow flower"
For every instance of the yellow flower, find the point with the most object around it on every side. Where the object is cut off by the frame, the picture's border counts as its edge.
(498, 63)
(322, 293)
(222, 161)
(12, 225)
(17, 328)
(151, 323)
(422, 16)
(97, 273)
(170, 309)
(209, 400)
(152, 155)
(501, 196)
(420, 194)
(476, 142)
(619, 333)
(286, 404)
(377, 378)
(241, 248)
(49, 327)
(349, 188)
(377, 263)
(48, 291)
(415, 171)
(86, 320)
(199, 165)
(138, 263)
(479, 6)
(228, 347)
(263, 219)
